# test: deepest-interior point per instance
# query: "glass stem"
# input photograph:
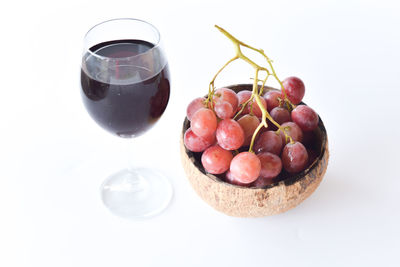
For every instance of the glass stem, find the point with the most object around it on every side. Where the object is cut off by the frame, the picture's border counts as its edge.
(136, 181)
(130, 147)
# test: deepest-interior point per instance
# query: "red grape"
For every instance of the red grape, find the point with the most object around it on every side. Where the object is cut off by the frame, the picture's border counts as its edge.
(216, 160)
(293, 130)
(226, 94)
(230, 134)
(204, 122)
(262, 182)
(294, 88)
(294, 157)
(248, 123)
(280, 115)
(268, 141)
(271, 165)
(305, 117)
(224, 109)
(232, 180)
(245, 167)
(272, 99)
(195, 143)
(253, 106)
(194, 106)
(243, 96)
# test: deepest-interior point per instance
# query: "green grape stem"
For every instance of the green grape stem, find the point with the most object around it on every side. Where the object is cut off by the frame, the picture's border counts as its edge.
(257, 90)
(211, 87)
(243, 107)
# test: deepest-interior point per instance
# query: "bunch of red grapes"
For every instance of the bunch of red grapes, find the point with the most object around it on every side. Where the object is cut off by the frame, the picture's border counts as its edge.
(224, 141)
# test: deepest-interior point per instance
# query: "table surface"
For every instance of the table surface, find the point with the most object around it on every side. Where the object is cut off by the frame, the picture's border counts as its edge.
(53, 157)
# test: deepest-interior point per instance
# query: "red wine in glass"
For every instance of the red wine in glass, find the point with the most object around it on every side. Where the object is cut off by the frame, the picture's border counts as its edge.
(125, 87)
(126, 100)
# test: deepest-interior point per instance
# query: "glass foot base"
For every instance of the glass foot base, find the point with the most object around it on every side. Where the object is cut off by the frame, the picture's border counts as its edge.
(137, 193)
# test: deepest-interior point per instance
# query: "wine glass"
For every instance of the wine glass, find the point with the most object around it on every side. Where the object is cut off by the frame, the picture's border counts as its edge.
(125, 87)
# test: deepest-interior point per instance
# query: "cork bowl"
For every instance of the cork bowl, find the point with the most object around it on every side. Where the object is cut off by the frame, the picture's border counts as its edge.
(286, 192)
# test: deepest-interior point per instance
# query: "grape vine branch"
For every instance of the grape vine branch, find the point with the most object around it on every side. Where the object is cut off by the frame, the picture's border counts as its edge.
(257, 90)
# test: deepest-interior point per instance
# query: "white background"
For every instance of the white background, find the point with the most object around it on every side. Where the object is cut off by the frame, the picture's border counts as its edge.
(53, 157)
